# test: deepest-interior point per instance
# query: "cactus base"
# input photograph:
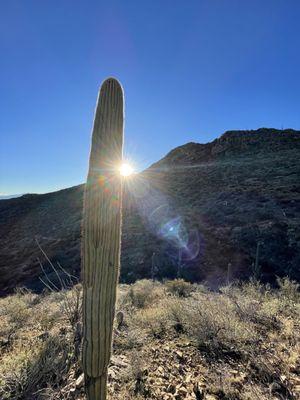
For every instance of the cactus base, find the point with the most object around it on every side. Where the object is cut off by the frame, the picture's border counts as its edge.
(96, 388)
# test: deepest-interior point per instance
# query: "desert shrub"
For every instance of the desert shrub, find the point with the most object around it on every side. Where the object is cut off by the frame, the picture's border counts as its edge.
(14, 314)
(13, 370)
(132, 338)
(71, 304)
(33, 368)
(144, 293)
(37, 356)
(179, 287)
(289, 289)
(200, 288)
(30, 298)
(175, 309)
(252, 289)
(215, 326)
(138, 374)
(264, 306)
(153, 320)
(52, 362)
(46, 316)
(263, 313)
(272, 307)
(122, 297)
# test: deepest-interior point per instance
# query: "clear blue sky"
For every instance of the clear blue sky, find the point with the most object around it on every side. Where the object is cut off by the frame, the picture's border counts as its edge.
(190, 70)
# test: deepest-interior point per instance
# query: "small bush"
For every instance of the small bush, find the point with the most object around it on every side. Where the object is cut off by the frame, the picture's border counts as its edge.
(34, 368)
(15, 310)
(179, 287)
(289, 289)
(72, 304)
(263, 313)
(47, 316)
(133, 338)
(152, 320)
(176, 313)
(144, 292)
(215, 326)
(35, 353)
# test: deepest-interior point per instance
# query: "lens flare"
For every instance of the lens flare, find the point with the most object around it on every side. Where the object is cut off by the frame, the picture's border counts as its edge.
(126, 170)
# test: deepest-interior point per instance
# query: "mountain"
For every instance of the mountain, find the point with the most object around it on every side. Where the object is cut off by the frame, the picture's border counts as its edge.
(204, 212)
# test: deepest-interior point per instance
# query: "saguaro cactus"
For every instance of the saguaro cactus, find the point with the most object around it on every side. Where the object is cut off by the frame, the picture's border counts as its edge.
(101, 237)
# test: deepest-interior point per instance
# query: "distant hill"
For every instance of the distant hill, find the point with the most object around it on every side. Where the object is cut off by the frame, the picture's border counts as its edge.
(200, 212)
(9, 196)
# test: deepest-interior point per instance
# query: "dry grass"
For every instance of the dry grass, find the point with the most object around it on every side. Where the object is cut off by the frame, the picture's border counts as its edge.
(175, 341)
(38, 343)
(144, 293)
(179, 287)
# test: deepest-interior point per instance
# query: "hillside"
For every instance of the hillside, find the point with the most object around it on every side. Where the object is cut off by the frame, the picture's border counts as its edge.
(200, 213)
(175, 341)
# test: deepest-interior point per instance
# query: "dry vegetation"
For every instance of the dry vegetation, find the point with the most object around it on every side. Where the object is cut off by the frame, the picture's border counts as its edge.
(172, 341)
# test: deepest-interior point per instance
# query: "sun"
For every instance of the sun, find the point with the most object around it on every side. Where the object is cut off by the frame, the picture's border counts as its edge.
(126, 170)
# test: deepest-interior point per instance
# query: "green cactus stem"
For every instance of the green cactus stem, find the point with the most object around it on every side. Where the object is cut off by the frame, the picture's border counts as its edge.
(101, 234)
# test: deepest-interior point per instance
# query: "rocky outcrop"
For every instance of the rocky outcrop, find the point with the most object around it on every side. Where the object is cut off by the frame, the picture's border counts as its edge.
(199, 212)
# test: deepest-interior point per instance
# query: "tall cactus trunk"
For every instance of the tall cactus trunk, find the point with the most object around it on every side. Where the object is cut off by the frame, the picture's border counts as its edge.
(101, 233)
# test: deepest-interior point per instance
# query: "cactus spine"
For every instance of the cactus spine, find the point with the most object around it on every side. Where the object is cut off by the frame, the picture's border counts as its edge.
(101, 234)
